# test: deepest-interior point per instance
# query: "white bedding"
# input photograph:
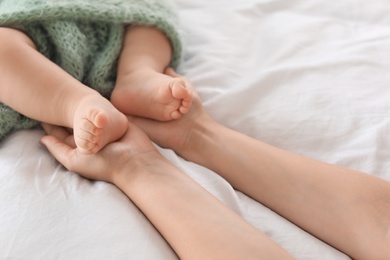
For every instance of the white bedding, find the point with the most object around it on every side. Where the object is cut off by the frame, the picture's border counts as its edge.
(312, 77)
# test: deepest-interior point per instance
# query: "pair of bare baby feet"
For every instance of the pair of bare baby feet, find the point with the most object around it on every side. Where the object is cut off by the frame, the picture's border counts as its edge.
(145, 93)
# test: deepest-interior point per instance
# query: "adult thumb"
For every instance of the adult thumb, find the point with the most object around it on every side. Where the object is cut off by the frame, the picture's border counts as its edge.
(60, 150)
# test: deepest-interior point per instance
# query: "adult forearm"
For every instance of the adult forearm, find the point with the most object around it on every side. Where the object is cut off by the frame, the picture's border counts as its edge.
(345, 208)
(194, 222)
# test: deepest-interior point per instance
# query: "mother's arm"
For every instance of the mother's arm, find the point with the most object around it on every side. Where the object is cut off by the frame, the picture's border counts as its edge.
(345, 208)
(194, 222)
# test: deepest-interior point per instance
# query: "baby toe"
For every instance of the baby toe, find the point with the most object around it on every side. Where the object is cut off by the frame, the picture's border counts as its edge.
(179, 91)
(176, 115)
(86, 147)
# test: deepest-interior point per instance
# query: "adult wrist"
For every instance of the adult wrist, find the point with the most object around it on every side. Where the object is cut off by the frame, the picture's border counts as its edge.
(201, 138)
(136, 167)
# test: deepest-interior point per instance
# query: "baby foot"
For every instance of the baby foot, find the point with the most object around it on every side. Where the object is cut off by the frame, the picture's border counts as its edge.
(147, 93)
(97, 123)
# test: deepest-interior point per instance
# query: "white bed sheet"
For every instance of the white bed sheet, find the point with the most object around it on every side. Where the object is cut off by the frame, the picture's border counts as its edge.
(311, 77)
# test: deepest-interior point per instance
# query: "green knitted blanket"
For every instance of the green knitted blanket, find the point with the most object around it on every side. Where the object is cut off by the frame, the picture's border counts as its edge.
(84, 37)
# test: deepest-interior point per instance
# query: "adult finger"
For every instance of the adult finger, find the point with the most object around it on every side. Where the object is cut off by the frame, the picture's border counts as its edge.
(64, 153)
(59, 132)
(171, 72)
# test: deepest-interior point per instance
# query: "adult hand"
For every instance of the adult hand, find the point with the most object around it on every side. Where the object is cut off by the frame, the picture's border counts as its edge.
(104, 165)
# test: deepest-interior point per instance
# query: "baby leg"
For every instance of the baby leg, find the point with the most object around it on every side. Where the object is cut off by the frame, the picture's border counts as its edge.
(142, 88)
(34, 86)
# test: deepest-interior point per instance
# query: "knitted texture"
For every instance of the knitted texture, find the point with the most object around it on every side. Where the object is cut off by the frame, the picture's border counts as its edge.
(84, 37)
